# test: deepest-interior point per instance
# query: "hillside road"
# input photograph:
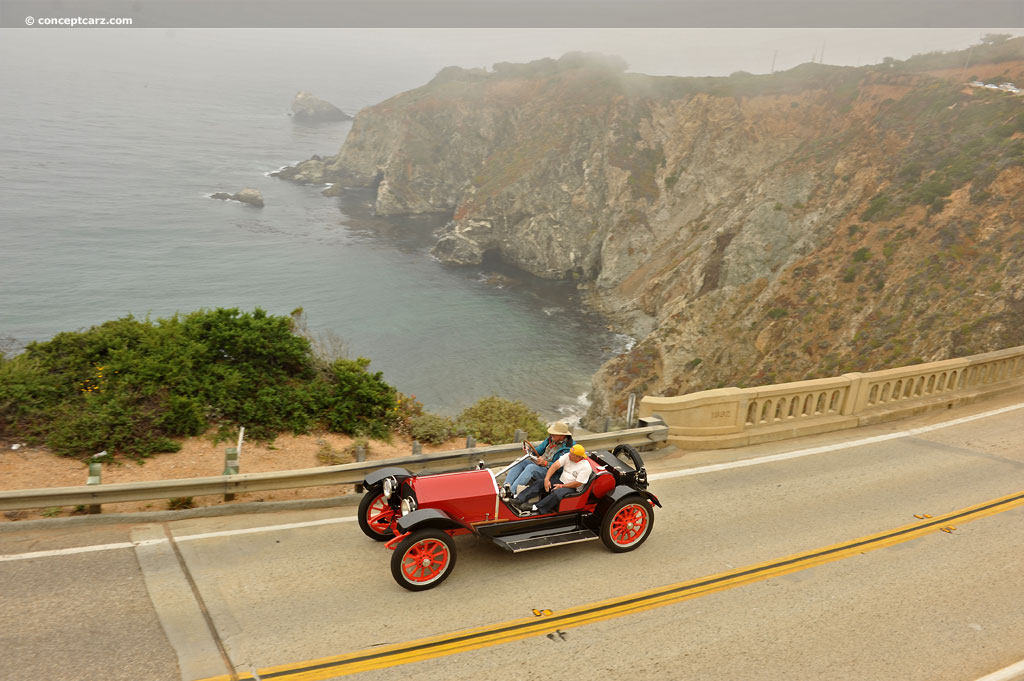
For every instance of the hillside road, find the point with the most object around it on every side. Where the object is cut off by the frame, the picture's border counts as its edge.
(290, 589)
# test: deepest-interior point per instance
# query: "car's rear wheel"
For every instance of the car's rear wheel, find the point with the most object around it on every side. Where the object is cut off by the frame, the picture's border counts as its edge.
(375, 516)
(423, 560)
(627, 524)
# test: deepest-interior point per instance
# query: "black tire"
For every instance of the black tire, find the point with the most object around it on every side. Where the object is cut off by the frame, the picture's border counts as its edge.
(423, 560)
(628, 455)
(627, 524)
(370, 506)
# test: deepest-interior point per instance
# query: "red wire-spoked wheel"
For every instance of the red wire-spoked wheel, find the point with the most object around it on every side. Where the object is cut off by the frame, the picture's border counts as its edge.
(375, 516)
(627, 524)
(423, 560)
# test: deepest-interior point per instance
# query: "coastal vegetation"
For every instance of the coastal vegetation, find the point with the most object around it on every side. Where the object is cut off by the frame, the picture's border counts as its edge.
(136, 386)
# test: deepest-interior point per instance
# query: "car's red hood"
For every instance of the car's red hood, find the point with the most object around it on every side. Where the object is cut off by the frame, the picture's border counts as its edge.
(469, 495)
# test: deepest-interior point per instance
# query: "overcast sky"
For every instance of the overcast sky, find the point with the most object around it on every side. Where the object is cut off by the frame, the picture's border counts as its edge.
(695, 52)
(673, 51)
(422, 52)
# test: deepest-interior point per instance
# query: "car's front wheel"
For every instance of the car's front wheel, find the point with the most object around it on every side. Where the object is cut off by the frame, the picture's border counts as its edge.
(627, 524)
(423, 560)
(375, 516)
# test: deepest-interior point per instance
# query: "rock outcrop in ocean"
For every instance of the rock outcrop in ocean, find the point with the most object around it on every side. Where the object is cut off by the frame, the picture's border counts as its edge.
(308, 108)
(253, 197)
(749, 229)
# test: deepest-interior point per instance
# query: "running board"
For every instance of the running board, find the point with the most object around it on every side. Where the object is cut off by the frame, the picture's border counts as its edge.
(543, 542)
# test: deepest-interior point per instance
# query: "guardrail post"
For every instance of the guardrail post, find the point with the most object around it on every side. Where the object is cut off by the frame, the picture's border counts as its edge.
(607, 424)
(230, 467)
(630, 410)
(470, 442)
(231, 455)
(360, 456)
(417, 448)
(95, 473)
(519, 436)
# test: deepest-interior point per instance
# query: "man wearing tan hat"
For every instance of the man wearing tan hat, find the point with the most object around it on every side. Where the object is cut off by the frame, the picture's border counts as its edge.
(528, 471)
(575, 472)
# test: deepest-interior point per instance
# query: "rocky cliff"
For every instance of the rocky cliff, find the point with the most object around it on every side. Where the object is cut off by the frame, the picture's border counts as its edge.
(749, 229)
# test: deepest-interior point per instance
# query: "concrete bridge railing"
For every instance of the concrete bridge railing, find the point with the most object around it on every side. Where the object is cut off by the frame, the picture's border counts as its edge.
(733, 417)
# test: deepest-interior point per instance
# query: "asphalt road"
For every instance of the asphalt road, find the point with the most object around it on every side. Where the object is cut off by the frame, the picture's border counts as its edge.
(941, 606)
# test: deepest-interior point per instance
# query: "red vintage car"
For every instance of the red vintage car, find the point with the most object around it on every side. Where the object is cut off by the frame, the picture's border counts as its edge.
(417, 515)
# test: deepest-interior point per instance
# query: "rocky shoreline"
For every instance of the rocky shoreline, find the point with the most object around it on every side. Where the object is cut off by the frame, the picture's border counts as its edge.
(748, 230)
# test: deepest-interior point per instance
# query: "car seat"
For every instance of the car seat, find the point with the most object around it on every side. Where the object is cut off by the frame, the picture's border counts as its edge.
(600, 483)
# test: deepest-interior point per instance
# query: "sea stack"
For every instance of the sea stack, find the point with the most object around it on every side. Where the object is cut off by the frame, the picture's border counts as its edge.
(248, 195)
(308, 108)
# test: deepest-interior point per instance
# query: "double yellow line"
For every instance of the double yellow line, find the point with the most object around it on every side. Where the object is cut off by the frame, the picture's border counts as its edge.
(506, 632)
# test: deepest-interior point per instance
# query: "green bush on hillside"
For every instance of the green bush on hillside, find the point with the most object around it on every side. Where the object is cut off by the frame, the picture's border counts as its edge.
(495, 420)
(360, 402)
(432, 428)
(132, 385)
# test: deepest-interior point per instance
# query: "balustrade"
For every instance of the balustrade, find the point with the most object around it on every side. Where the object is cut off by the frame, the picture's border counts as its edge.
(734, 416)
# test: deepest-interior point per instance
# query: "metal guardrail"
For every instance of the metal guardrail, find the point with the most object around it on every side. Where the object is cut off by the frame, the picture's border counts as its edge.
(653, 431)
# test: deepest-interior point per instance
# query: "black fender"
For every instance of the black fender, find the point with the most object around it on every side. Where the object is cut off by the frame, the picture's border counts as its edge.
(593, 520)
(621, 492)
(376, 477)
(429, 518)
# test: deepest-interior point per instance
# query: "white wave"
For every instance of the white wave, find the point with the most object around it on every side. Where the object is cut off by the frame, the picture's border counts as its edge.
(552, 311)
(573, 413)
(622, 343)
(271, 172)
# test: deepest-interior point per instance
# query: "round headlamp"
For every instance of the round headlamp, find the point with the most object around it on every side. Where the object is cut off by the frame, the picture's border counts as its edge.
(389, 487)
(408, 505)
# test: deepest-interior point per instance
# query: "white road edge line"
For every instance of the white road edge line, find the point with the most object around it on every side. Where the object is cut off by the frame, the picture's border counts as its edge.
(1011, 673)
(187, 537)
(785, 456)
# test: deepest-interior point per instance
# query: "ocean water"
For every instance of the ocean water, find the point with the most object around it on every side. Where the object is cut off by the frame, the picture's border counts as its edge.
(111, 143)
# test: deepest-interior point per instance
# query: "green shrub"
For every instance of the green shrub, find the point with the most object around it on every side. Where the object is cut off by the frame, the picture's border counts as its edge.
(862, 255)
(407, 409)
(360, 403)
(881, 207)
(130, 385)
(431, 428)
(495, 420)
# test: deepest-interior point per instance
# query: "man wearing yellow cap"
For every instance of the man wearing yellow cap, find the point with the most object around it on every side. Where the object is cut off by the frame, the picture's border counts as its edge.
(575, 472)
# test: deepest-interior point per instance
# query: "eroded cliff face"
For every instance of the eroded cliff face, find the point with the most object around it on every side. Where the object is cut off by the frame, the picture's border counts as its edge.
(747, 230)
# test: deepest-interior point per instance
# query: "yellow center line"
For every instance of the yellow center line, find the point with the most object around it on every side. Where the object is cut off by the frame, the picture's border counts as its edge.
(505, 632)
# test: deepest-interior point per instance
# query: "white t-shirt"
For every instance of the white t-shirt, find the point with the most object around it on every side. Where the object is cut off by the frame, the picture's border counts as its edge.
(574, 472)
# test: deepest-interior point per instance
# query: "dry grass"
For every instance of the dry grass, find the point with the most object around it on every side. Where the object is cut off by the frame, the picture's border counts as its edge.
(33, 467)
